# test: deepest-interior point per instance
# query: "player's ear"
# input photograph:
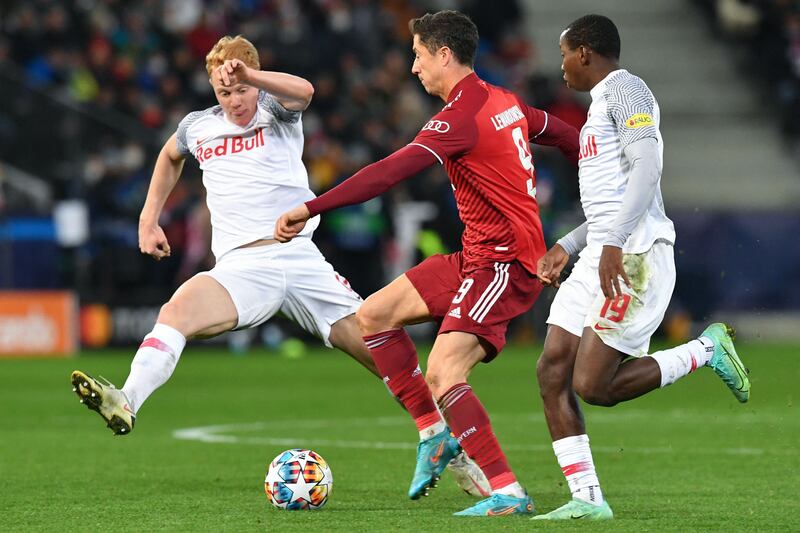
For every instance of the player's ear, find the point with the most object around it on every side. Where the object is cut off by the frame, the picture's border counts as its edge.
(584, 53)
(445, 54)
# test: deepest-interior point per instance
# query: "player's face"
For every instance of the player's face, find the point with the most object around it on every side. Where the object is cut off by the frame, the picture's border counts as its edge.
(239, 101)
(571, 66)
(426, 67)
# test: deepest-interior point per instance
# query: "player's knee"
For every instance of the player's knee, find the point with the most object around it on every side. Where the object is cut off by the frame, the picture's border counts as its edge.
(438, 382)
(592, 392)
(441, 376)
(551, 374)
(371, 317)
(171, 314)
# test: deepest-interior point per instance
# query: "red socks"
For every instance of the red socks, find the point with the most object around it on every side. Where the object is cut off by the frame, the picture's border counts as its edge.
(396, 358)
(470, 423)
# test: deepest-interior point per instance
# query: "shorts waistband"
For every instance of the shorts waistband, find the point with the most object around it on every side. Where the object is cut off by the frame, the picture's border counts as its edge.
(259, 242)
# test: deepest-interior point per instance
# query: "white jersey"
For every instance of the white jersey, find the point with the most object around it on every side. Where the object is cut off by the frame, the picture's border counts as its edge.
(623, 110)
(252, 174)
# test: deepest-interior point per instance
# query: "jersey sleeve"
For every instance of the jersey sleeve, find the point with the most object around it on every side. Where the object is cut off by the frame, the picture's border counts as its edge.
(373, 180)
(630, 107)
(271, 105)
(538, 120)
(449, 133)
(546, 130)
(182, 135)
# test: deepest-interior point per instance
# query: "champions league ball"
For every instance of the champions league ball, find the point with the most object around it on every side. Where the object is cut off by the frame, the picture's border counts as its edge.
(298, 479)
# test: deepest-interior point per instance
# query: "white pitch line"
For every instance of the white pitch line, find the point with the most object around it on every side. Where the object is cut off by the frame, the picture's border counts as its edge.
(231, 434)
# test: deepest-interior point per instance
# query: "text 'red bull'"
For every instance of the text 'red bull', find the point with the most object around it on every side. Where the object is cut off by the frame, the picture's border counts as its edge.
(231, 145)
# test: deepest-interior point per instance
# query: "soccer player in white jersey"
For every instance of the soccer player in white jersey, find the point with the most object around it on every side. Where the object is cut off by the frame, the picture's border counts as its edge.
(604, 314)
(249, 148)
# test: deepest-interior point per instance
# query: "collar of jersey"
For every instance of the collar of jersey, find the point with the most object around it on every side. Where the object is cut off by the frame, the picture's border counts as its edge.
(469, 78)
(600, 88)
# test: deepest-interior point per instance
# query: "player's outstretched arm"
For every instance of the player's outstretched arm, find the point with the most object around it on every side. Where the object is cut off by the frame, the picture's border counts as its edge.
(292, 92)
(369, 182)
(169, 165)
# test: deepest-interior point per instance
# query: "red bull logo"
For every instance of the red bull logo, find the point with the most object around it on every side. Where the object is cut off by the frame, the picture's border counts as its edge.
(588, 148)
(230, 145)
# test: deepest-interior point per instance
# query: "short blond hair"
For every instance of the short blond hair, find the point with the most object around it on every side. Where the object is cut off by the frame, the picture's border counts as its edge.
(232, 48)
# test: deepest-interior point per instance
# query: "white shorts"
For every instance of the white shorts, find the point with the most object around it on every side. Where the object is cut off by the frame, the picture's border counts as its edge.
(292, 278)
(626, 323)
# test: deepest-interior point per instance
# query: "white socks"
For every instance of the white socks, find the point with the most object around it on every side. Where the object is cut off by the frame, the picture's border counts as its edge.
(684, 359)
(575, 459)
(153, 363)
(514, 489)
(430, 431)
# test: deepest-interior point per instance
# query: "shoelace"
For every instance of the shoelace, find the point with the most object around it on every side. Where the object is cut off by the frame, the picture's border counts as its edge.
(105, 382)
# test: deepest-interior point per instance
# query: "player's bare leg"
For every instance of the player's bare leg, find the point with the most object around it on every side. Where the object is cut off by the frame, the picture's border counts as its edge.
(394, 306)
(554, 373)
(452, 358)
(201, 307)
(381, 319)
(602, 378)
(346, 335)
(567, 429)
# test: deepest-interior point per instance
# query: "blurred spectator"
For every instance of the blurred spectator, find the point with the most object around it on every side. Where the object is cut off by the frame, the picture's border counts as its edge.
(116, 77)
(769, 32)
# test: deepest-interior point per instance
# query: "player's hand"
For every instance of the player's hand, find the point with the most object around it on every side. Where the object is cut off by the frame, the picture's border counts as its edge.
(231, 72)
(153, 242)
(610, 270)
(550, 265)
(291, 223)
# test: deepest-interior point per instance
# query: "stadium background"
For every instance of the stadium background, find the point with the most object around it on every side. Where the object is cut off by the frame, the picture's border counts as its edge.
(92, 88)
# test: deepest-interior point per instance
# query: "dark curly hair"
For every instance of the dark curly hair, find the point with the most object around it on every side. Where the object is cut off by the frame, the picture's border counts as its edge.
(596, 32)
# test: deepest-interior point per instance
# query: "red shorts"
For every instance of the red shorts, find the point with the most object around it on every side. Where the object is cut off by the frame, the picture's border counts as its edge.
(482, 301)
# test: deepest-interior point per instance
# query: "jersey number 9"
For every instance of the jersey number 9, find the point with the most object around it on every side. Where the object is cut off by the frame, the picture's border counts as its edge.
(525, 157)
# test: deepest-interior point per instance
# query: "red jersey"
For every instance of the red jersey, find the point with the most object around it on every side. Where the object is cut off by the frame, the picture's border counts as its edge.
(481, 136)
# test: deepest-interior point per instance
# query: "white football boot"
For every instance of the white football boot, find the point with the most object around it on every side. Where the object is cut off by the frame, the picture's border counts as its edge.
(469, 476)
(106, 399)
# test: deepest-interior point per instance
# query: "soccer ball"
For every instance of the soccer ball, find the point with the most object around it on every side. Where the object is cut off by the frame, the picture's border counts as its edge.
(298, 479)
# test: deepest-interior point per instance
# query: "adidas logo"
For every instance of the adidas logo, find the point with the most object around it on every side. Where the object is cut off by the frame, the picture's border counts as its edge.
(455, 313)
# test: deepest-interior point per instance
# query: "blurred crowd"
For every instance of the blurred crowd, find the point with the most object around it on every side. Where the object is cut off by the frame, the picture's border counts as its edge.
(767, 34)
(107, 81)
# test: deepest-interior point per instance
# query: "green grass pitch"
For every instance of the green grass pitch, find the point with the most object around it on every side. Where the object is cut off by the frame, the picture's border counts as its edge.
(685, 458)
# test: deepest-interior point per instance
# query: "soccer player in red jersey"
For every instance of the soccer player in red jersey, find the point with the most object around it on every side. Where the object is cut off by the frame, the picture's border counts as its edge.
(482, 137)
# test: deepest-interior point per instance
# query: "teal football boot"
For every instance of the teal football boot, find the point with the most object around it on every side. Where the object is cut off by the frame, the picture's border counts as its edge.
(499, 505)
(576, 509)
(433, 454)
(726, 362)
